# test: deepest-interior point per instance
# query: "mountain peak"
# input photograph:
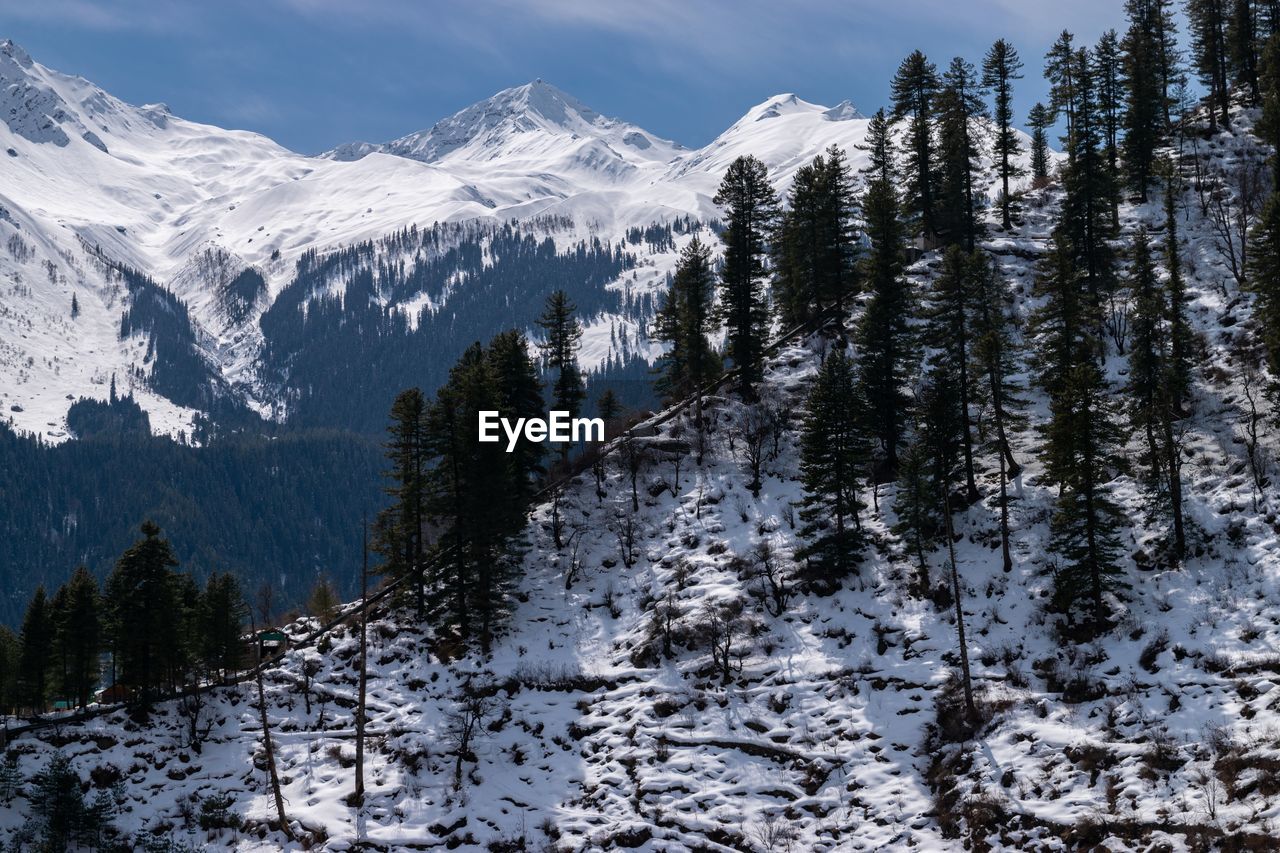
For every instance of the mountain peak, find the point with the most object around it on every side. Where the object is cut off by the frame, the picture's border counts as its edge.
(513, 119)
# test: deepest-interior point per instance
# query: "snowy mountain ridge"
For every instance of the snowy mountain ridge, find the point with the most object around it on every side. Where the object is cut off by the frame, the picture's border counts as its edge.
(82, 172)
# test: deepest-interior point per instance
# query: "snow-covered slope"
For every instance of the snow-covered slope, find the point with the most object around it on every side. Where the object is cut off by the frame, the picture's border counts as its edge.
(830, 732)
(191, 206)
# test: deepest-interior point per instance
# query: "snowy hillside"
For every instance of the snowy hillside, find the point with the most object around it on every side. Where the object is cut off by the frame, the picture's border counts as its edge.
(89, 181)
(651, 694)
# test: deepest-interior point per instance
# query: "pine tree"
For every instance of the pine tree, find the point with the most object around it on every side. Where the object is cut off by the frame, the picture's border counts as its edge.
(750, 211)
(1264, 281)
(996, 364)
(1039, 120)
(323, 601)
(519, 394)
(878, 143)
(1000, 67)
(609, 407)
(560, 353)
(1060, 68)
(958, 106)
(914, 87)
(223, 612)
(1090, 194)
(10, 658)
(684, 322)
(401, 526)
(1080, 438)
(940, 433)
(1209, 49)
(75, 307)
(78, 630)
(1086, 521)
(883, 337)
(916, 507)
(1180, 335)
(1109, 101)
(1244, 46)
(815, 247)
(36, 652)
(949, 311)
(145, 612)
(833, 452)
(1268, 126)
(1145, 114)
(470, 491)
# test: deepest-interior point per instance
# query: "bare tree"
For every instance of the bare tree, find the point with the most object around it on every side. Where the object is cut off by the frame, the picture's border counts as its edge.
(772, 585)
(1255, 455)
(1233, 207)
(625, 531)
(723, 626)
(634, 456)
(192, 708)
(474, 705)
(754, 429)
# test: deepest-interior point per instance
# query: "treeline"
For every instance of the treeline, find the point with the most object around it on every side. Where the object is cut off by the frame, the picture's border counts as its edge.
(160, 630)
(265, 508)
(340, 356)
(458, 504)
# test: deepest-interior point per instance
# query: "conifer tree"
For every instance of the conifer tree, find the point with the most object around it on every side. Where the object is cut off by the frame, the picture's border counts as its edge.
(914, 87)
(1145, 113)
(560, 353)
(958, 106)
(1153, 391)
(878, 143)
(1039, 120)
(401, 526)
(916, 507)
(1210, 52)
(519, 395)
(145, 612)
(750, 212)
(995, 359)
(78, 632)
(950, 311)
(1180, 334)
(1109, 104)
(223, 612)
(36, 652)
(1000, 67)
(1090, 194)
(1080, 440)
(684, 322)
(1264, 281)
(1244, 46)
(833, 453)
(471, 494)
(883, 336)
(815, 247)
(1268, 126)
(1060, 70)
(10, 657)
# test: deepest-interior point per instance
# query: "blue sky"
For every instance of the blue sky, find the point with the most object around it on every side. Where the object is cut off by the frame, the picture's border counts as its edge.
(315, 73)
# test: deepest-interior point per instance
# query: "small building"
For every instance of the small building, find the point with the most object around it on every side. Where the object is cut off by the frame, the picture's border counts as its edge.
(113, 694)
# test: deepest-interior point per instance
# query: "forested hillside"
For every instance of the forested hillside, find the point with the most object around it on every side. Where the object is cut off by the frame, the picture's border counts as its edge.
(958, 532)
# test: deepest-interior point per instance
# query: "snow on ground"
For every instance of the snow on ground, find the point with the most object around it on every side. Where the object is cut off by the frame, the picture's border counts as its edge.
(1161, 732)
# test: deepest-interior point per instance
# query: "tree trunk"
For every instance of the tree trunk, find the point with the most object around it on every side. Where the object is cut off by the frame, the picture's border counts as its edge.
(358, 796)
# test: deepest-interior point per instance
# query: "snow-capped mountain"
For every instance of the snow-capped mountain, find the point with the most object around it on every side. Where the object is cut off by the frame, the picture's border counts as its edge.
(89, 182)
(529, 122)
